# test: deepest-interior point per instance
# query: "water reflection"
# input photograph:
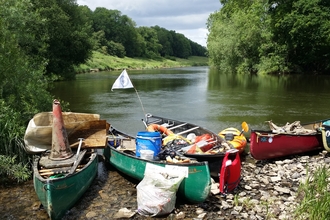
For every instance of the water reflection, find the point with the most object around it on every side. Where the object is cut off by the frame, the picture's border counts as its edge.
(199, 95)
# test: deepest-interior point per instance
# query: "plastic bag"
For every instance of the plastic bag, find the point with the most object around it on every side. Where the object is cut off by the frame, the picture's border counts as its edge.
(156, 193)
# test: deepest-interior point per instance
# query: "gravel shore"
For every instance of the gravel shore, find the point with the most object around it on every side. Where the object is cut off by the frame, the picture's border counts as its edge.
(267, 190)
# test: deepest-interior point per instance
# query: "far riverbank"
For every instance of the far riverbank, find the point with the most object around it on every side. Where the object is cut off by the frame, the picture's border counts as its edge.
(102, 62)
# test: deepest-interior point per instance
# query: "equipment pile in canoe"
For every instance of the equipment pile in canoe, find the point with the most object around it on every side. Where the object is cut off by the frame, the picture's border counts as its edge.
(68, 161)
(195, 141)
(290, 139)
(235, 136)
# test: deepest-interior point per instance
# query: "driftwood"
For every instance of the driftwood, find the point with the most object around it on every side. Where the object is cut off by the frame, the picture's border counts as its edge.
(290, 128)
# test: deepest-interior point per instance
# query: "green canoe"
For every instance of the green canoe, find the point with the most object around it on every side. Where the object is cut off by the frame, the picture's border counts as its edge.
(120, 152)
(59, 192)
(68, 162)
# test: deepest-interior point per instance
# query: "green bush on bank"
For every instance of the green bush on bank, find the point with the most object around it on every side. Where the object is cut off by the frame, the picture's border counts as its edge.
(10, 170)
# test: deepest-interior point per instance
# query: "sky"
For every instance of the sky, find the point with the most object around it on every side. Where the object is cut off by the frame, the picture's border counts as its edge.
(188, 17)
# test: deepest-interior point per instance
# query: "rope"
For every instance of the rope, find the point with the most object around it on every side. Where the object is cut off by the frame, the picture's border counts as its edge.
(144, 113)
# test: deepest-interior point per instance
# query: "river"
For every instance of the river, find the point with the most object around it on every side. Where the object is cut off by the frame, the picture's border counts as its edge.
(199, 95)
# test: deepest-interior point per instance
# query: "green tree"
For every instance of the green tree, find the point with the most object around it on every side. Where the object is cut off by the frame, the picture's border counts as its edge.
(181, 45)
(67, 33)
(302, 27)
(116, 49)
(270, 36)
(117, 28)
(166, 40)
(23, 87)
(236, 34)
(151, 44)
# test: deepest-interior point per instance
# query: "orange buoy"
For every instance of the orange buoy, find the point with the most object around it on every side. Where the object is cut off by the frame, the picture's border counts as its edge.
(60, 144)
(159, 128)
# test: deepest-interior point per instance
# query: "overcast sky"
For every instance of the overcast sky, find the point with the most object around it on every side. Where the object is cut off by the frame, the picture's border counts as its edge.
(187, 17)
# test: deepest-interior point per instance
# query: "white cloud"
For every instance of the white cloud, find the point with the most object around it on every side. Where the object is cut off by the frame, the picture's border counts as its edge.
(188, 17)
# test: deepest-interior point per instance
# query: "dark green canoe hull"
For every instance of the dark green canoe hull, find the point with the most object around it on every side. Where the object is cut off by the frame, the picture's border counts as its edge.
(195, 188)
(58, 195)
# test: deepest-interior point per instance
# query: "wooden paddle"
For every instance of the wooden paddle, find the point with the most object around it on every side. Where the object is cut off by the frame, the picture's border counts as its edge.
(245, 127)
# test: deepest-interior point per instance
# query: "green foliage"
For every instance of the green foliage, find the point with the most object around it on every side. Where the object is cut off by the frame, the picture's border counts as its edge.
(270, 36)
(301, 27)
(66, 32)
(151, 44)
(23, 87)
(10, 170)
(235, 37)
(116, 49)
(315, 196)
(117, 28)
(181, 46)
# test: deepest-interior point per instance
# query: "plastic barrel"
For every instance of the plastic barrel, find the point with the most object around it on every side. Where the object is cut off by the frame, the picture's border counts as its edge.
(146, 140)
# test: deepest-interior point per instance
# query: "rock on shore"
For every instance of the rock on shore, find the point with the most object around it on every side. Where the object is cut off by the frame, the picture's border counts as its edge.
(268, 190)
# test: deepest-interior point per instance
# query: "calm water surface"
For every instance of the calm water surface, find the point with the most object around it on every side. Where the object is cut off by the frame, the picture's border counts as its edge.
(199, 95)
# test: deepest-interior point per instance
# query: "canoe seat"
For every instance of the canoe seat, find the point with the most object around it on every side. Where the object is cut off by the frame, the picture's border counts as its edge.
(189, 130)
(177, 126)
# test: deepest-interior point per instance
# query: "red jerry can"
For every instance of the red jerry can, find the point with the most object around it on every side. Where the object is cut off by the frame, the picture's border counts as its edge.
(230, 173)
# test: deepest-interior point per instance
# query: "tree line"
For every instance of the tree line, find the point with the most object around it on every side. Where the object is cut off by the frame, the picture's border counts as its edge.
(63, 34)
(270, 36)
(41, 41)
(117, 34)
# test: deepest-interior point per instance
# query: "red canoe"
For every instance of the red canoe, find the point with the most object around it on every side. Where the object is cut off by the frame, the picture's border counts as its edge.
(279, 142)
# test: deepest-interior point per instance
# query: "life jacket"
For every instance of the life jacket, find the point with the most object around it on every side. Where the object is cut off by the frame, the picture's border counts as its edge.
(230, 173)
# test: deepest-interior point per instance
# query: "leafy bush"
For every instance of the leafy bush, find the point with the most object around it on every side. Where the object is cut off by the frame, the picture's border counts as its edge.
(11, 170)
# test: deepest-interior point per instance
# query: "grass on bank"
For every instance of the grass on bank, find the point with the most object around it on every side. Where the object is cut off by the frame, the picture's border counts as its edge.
(315, 196)
(103, 62)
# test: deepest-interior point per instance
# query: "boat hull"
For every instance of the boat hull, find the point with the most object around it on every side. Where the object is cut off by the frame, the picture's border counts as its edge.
(268, 145)
(195, 187)
(58, 195)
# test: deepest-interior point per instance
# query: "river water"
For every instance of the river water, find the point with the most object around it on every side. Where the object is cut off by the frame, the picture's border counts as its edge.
(199, 95)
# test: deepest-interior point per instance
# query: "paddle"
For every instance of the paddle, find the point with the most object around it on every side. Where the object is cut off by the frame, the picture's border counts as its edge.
(78, 151)
(245, 127)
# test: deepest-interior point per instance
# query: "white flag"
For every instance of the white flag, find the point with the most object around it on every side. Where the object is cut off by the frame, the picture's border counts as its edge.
(122, 82)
